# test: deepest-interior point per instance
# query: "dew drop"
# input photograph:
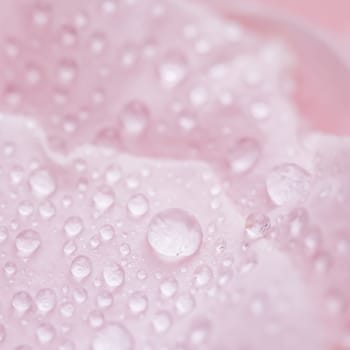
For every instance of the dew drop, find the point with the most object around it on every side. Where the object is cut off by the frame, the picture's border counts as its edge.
(287, 183)
(73, 226)
(134, 119)
(257, 226)
(138, 303)
(45, 300)
(174, 234)
(161, 322)
(80, 268)
(27, 243)
(104, 199)
(45, 333)
(185, 304)
(168, 287)
(138, 205)
(107, 232)
(172, 70)
(111, 337)
(202, 276)
(42, 183)
(113, 275)
(244, 155)
(22, 302)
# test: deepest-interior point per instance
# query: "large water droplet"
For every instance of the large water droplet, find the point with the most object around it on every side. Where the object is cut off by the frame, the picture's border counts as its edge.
(80, 268)
(42, 183)
(111, 337)
(27, 243)
(174, 234)
(113, 275)
(288, 183)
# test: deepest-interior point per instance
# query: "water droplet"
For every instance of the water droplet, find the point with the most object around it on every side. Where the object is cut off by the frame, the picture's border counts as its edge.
(185, 304)
(2, 333)
(138, 303)
(27, 243)
(199, 334)
(73, 226)
(45, 333)
(45, 300)
(104, 199)
(168, 287)
(68, 36)
(42, 183)
(10, 269)
(3, 234)
(104, 300)
(47, 210)
(67, 71)
(244, 155)
(138, 205)
(69, 248)
(96, 319)
(111, 337)
(80, 268)
(172, 70)
(67, 309)
(113, 174)
(257, 226)
(25, 208)
(22, 302)
(161, 322)
(107, 232)
(202, 276)
(113, 275)
(134, 119)
(174, 234)
(288, 183)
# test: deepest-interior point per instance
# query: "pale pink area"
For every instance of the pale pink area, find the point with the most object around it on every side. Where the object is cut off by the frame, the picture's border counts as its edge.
(114, 112)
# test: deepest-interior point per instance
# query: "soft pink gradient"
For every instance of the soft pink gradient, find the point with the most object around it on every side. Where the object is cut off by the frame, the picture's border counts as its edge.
(174, 175)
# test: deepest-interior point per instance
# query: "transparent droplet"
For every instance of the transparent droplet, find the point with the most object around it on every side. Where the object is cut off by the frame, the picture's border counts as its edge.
(45, 333)
(69, 248)
(27, 243)
(104, 199)
(244, 155)
(42, 183)
(67, 71)
(107, 232)
(47, 210)
(25, 208)
(113, 275)
(134, 119)
(113, 174)
(138, 303)
(41, 14)
(96, 319)
(73, 226)
(80, 268)
(168, 287)
(257, 225)
(3, 234)
(67, 309)
(111, 337)
(22, 302)
(172, 70)
(68, 36)
(161, 322)
(174, 234)
(202, 276)
(288, 183)
(138, 205)
(10, 269)
(105, 300)
(199, 334)
(185, 304)
(45, 300)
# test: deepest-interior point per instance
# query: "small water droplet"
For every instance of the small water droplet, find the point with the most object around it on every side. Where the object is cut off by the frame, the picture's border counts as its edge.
(27, 243)
(73, 226)
(138, 303)
(22, 302)
(107, 232)
(257, 226)
(113, 336)
(96, 319)
(3, 234)
(174, 234)
(113, 275)
(134, 119)
(80, 268)
(168, 287)
(104, 199)
(288, 183)
(45, 300)
(67, 71)
(185, 304)
(202, 276)
(138, 205)
(42, 183)
(244, 155)
(45, 333)
(161, 322)
(172, 70)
